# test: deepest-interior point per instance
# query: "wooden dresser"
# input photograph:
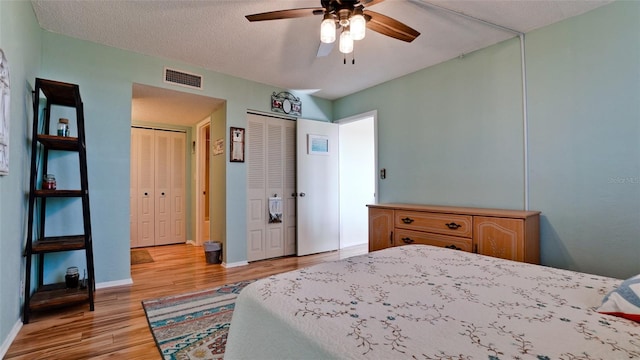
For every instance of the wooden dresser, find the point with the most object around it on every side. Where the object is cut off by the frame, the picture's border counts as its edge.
(507, 234)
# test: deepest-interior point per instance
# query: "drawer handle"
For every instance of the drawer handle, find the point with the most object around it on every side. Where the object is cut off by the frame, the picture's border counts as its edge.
(453, 247)
(407, 240)
(407, 220)
(453, 226)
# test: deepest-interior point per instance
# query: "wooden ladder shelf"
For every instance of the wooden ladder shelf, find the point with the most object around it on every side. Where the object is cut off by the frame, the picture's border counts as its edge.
(47, 296)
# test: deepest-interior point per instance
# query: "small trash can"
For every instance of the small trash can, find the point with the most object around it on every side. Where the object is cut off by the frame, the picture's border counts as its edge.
(213, 252)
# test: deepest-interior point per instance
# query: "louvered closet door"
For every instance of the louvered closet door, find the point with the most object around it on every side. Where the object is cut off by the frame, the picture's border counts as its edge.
(289, 193)
(256, 187)
(270, 161)
(275, 184)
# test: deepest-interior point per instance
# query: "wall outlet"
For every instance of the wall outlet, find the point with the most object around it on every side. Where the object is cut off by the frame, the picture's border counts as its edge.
(22, 290)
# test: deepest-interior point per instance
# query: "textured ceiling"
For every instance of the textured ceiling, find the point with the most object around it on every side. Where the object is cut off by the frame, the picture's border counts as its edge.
(215, 35)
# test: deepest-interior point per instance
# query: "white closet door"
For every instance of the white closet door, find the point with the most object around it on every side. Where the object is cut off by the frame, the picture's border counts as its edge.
(270, 157)
(158, 187)
(133, 192)
(178, 187)
(289, 192)
(163, 187)
(146, 190)
(256, 187)
(275, 184)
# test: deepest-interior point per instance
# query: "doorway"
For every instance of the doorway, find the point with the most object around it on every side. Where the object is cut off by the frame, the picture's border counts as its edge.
(358, 176)
(162, 108)
(203, 171)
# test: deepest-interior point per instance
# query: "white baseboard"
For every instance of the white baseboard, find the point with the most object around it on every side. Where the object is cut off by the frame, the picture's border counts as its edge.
(108, 284)
(12, 336)
(235, 264)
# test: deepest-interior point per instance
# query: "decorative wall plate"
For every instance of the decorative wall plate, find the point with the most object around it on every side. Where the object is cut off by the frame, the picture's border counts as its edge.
(284, 102)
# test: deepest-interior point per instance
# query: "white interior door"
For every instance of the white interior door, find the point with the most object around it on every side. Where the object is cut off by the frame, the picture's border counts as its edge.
(318, 187)
(146, 190)
(178, 188)
(163, 187)
(133, 192)
(158, 187)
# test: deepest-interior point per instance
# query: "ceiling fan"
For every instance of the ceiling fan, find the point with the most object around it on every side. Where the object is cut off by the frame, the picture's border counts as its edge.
(348, 15)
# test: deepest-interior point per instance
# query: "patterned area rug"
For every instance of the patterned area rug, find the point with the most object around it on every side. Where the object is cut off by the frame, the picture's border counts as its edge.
(193, 325)
(140, 256)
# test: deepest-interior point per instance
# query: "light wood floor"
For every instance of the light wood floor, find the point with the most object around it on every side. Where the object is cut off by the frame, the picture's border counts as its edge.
(118, 329)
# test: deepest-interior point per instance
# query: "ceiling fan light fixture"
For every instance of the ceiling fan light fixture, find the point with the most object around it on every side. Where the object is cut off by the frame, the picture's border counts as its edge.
(358, 25)
(328, 29)
(346, 41)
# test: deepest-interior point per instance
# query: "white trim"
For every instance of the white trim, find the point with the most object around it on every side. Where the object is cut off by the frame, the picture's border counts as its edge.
(108, 284)
(199, 168)
(374, 115)
(235, 264)
(9, 340)
(525, 122)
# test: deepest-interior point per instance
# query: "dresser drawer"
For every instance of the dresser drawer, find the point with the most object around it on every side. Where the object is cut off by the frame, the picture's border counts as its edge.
(447, 224)
(405, 237)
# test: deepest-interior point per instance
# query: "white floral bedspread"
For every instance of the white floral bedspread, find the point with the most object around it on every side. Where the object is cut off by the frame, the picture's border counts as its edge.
(423, 302)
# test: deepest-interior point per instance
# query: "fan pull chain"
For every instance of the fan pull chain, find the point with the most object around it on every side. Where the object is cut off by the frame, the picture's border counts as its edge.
(344, 60)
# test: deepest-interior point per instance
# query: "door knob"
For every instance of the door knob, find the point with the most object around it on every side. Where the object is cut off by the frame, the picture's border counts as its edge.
(302, 194)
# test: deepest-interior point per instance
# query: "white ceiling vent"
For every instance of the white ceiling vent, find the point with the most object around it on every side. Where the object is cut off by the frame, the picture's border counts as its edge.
(182, 78)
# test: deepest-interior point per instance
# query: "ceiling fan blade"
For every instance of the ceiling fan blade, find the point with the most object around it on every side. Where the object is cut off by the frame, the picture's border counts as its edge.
(325, 49)
(285, 14)
(390, 27)
(370, 2)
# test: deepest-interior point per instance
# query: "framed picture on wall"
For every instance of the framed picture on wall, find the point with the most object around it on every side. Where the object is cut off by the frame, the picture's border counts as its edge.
(317, 144)
(237, 145)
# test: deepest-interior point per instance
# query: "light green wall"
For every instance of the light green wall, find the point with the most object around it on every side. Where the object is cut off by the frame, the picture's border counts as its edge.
(218, 184)
(447, 134)
(452, 134)
(20, 39)
(584, 91)
(105, 76)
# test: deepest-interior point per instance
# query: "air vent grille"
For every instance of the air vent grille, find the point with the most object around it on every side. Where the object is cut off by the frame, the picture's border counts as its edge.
(182, 78)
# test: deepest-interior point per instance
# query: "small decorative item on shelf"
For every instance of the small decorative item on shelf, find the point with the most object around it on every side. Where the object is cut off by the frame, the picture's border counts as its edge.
(49, 182)
(72, 277)
(63, 127)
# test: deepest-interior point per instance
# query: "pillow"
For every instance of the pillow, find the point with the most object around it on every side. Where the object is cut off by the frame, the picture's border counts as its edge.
(623, 301)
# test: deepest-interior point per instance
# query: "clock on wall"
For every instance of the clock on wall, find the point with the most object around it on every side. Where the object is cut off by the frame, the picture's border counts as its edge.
(284, 102)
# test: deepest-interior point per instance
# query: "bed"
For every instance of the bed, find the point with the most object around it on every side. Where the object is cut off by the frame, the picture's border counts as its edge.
(424, 302)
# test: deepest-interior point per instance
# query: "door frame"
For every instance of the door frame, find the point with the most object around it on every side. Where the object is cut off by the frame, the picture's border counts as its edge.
(200, 148)
(369, 114)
